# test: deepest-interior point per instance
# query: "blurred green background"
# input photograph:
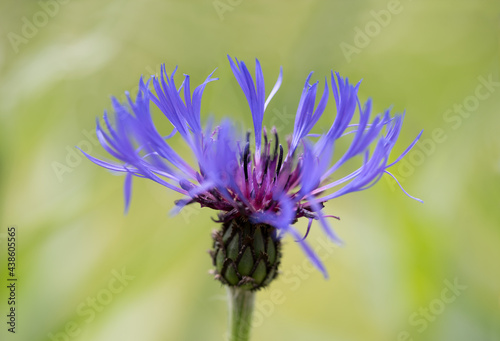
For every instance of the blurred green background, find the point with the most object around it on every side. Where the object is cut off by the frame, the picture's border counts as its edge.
(60, 61)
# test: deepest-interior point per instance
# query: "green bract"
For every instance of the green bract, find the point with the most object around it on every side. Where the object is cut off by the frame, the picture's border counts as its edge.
(246, 255)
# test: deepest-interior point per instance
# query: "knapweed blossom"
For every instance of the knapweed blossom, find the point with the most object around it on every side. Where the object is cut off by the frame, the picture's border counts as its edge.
(258, 187)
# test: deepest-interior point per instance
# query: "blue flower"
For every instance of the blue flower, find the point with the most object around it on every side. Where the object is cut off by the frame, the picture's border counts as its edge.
(255, 178)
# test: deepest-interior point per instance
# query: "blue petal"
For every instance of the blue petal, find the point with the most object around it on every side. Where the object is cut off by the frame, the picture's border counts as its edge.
(275, 88)
(313, 257)
(254, 93)
(306, 116)
(127, 190)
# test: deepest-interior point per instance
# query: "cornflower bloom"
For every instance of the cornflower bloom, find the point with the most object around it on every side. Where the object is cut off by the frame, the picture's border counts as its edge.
(258, 188)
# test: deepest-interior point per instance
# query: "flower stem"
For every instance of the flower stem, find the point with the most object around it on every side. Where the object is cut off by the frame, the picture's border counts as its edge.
(240, 313)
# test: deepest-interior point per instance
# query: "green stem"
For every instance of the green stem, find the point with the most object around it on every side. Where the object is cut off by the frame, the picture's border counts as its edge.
(240, 313)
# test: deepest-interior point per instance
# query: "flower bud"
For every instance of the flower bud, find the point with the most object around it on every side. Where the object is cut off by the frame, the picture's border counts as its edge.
(246, 255)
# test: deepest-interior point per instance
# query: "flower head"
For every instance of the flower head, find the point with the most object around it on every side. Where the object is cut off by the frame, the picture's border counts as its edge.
(252, 179)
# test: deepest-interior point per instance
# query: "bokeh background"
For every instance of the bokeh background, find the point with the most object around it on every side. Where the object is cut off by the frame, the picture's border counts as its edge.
(60, 61)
